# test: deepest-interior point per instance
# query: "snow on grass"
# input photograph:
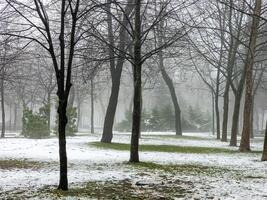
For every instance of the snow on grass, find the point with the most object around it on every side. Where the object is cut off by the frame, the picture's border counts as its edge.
(242, 175)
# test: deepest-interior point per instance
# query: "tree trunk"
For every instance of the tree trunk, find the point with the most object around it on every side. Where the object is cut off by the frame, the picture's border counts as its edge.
(217, 111)
(62, 117)
(169, 83)
(235, 120)
(264, 152)
(92, 106)
(245, 138)
(134, 154)
(177, 110)
(213, 114)
(115, 69)
(111, 110)
(225, 112)
(3, 108)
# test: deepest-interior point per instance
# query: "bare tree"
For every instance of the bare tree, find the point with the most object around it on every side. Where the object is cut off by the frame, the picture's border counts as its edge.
(55, 30)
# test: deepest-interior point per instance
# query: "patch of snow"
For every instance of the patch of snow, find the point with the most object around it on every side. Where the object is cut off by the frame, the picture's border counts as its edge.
(87, 163)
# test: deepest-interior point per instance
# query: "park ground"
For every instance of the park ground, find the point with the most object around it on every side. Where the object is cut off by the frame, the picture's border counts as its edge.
(192, 166)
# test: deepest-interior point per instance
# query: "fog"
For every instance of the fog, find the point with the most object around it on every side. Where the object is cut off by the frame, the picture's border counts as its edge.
(133, 99)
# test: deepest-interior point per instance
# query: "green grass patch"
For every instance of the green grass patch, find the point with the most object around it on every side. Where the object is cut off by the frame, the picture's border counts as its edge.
(186, 169)
(19, 164)
(163, 148)
(167, 136)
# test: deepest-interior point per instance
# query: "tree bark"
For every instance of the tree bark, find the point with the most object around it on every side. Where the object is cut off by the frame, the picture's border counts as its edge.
(245, 138)
(3, 108)
(134, 154)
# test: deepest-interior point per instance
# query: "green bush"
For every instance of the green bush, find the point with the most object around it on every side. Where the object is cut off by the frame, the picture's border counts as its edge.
(35, 125)
(163, 119)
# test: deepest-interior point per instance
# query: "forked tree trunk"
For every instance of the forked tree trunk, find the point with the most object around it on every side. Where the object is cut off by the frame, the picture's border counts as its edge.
(134, 154)
(115, 69)
(169, 83)
(3, 108)
(245, 138)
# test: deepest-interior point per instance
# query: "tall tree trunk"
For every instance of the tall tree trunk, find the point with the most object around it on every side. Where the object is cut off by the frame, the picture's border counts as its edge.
(3, 108)
(115, 68)
(235, 120)
(169, 83)
(217, 111)
(213, 113)
(134, 152)
(225, 111)
(92, 105)
(62, 118)
(111, 110)
(245, 138)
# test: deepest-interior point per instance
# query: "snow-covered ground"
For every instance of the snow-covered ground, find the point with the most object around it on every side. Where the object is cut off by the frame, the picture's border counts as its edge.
(88, 163)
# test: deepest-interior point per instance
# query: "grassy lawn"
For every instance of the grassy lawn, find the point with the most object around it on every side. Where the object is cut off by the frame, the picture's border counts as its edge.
(185, 169)
(165, 148)
(187, 137)
(19, 164)
(126, 189)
